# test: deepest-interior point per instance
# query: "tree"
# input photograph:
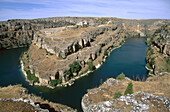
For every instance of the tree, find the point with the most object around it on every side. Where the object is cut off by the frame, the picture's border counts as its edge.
(90, 65)
(75, 67)
(117, 95)
(121, 76)
(67, 72)
(129, 89)
(55, 82)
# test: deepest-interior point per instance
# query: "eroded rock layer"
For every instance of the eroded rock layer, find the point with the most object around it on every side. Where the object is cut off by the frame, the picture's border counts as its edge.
(58, 56)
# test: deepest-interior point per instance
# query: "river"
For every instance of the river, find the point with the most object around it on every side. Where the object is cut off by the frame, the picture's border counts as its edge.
(129, 59)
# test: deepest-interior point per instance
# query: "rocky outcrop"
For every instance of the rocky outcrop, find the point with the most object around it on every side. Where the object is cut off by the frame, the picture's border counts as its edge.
(139, 102)
(54, 50)
(16, 98)
(19, 33)
(155, 99)
(158, 54)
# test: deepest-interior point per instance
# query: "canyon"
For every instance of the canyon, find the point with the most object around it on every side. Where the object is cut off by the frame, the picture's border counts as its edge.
(62, 48)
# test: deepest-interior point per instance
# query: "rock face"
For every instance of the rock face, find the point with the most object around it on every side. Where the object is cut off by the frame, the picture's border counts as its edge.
(158, 54)
(54, 50)
(139, 102)
(155, 99)
(18, 33)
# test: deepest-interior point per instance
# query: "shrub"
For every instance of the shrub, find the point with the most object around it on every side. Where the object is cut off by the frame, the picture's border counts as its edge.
(129, 89)
(55, 82)
(67, 72)
(121, 76)
(32, 77)
(148, 66)
(105, 53)
(75, 67)
(117, 95)
(90, 65)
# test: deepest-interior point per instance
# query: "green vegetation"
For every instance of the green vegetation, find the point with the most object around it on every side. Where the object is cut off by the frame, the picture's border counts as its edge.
(32, 77)
(55, 82)
(74, 67)
(117, 95)
(149, 40)
(51, 54)
(20, 85)
(106, 53)
(90, 65)
(158, 31)
(67, 73)
(121, 76)
(61, 56)
(129, 89)
(148, 66)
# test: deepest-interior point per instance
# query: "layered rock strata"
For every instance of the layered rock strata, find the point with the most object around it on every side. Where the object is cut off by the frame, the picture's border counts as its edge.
(158, 53)
(53, 51)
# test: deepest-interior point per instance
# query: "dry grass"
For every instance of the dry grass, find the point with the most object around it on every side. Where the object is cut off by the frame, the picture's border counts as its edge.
(10, 106)
(17, 92)
(69, 33)
(158, 86)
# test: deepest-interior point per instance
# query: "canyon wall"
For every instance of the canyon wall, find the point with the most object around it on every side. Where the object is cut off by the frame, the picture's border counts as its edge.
(19, 32)
(158, 53)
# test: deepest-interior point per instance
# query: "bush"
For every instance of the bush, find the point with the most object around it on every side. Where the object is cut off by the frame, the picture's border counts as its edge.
(32, 77)
(75, 67)
(55, 82)
(117, 95)
(148, 66)
(105, 53)
(67, 72)
(90, 65)
(129, 89)
(121, 76)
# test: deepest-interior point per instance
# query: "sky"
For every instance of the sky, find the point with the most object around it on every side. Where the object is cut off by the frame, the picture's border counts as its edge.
(130, 9)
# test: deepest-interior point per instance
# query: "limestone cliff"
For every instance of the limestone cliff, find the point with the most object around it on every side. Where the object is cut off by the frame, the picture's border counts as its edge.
(19, 32)
(158, 54)
(59, 56)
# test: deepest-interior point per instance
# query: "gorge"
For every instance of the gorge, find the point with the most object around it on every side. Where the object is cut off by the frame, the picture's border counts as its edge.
(55, 43)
